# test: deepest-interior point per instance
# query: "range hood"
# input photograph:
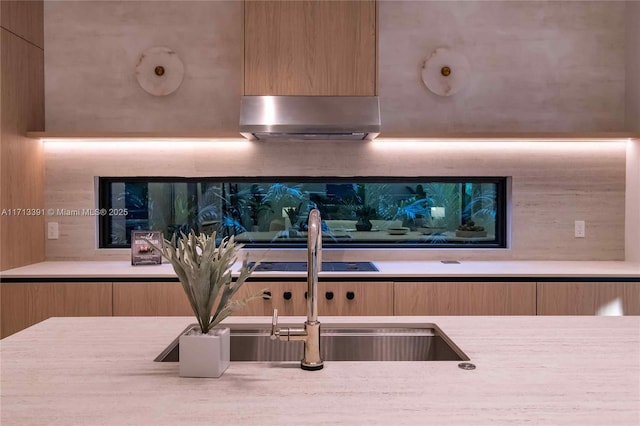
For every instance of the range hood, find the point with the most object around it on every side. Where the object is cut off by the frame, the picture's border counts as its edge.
(309, 117)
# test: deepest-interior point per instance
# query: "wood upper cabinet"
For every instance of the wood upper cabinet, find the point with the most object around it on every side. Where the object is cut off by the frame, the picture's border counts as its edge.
(22, 237)
(322, 48)
(464, 298)
(150, 299)
(25, 19)
(585, 298)
(25, 304)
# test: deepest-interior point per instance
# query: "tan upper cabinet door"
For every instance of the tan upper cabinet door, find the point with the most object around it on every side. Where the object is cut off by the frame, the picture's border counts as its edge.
(464, 298)
(322, 48)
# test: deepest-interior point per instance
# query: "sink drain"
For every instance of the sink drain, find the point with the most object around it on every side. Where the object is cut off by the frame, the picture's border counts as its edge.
(467, 366)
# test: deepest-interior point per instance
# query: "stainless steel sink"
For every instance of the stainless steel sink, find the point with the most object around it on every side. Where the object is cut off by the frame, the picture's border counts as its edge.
(354, 343)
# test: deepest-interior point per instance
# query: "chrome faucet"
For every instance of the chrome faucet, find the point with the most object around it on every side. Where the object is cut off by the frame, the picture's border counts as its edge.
(310, 334)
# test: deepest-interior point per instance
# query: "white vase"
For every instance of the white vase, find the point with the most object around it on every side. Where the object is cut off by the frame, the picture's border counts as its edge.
(205, 355)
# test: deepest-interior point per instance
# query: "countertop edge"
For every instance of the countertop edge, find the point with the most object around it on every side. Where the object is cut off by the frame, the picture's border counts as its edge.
(388, 270)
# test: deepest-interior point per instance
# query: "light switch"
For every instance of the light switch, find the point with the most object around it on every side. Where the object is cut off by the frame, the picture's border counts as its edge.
(52, 230)
(579, 229)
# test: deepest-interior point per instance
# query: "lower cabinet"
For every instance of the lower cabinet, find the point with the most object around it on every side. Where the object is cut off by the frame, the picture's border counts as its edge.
(464, 298)
(25, 304)
(588, 298)
(150, 299)
(287, 298)
(334, 298)
(355, 298)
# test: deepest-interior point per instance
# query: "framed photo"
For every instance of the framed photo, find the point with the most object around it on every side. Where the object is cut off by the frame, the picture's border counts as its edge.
(141, 251)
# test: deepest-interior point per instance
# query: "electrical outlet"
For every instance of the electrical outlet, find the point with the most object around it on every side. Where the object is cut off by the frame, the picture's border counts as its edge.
(579, 229)
(52, 230)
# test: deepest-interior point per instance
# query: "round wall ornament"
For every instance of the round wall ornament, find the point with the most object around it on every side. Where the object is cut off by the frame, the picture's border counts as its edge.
(446, 72)
(159, 71)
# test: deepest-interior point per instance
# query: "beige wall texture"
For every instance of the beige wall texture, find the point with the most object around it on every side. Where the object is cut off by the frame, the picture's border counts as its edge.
(93, 48)
(632, 111)
(632, 199)
(633, 123)
(553, 184)
(535, 65)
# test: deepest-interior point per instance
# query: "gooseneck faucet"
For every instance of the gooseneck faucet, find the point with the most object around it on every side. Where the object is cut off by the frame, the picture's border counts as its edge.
(310, 334)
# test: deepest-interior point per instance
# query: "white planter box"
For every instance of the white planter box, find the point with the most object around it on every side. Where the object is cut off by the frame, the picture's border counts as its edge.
(205, 355)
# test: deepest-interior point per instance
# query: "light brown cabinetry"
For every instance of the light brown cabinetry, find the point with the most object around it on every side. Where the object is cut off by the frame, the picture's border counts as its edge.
(25, 304)
(355, 298)
(21, 159)
(318, 48)
(464, 298)
(586, 298)
(334, 298)
(286, 297)
(150, 299)
(24, 19)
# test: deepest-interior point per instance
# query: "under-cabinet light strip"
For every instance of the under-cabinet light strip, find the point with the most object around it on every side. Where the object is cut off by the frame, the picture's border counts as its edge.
(136, 144)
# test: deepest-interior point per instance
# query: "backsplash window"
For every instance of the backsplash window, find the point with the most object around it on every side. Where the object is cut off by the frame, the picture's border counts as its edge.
(385, 212)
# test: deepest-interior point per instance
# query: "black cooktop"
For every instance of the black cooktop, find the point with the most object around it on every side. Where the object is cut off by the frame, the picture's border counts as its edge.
(326, 266)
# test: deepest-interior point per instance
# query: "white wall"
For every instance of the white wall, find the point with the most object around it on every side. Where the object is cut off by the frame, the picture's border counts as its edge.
(94, 46)
(535, 65)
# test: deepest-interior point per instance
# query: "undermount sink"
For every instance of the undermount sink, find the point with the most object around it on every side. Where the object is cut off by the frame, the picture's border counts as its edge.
(352, 343)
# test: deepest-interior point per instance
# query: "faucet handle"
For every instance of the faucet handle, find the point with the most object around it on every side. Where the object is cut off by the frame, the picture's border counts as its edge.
(275, 333)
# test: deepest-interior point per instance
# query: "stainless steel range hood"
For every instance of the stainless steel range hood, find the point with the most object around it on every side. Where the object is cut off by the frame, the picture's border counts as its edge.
(309, 117)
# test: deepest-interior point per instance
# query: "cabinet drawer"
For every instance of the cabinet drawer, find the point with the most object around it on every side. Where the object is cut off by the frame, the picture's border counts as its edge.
(287, 298)
(464, 298)
(355, 298)
(150, 299)
(586, 298)
(335, 298)
(25, 304)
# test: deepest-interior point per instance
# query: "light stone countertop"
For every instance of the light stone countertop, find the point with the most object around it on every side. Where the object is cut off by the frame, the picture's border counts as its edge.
(387, 269)
(530, 370)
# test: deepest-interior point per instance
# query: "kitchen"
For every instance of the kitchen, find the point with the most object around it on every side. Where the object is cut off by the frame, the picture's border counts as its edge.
(541, 76)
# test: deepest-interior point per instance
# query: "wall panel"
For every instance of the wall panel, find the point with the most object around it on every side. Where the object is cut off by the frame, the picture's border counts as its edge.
(632, 61)
(93, 48)
(535, 66)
